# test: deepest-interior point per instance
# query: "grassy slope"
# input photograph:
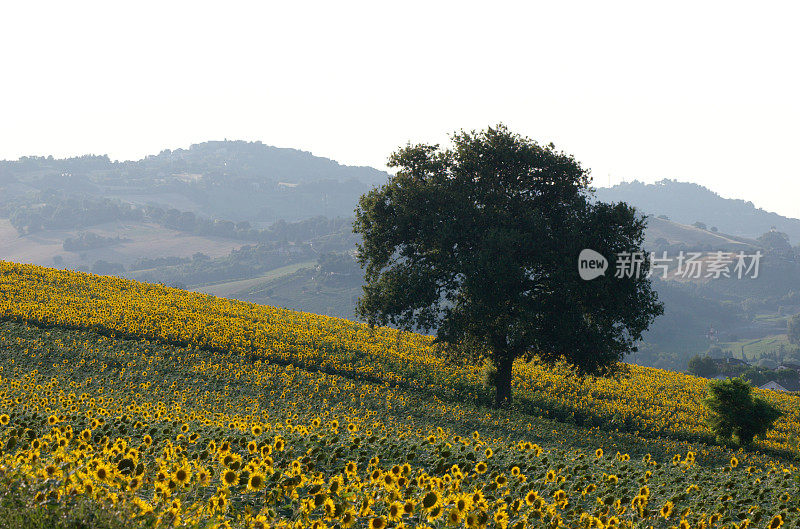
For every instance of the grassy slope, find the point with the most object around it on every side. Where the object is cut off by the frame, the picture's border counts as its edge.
(755, 349)
(675, 232)
(236, 289)
(299, 291)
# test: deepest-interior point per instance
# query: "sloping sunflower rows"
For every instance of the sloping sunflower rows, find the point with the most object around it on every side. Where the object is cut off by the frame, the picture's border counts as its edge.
(182, 437)
(650, 401)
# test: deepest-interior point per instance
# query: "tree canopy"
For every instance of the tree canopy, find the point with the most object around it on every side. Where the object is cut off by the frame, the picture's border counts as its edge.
(480, 242)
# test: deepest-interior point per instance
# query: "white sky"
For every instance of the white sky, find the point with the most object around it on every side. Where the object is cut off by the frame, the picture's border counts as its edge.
(704, 92)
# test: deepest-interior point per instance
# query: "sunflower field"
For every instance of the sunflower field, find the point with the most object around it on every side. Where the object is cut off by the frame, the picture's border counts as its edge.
(174, 409)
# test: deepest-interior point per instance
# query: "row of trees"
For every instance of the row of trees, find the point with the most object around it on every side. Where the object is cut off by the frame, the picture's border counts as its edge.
(58, 210)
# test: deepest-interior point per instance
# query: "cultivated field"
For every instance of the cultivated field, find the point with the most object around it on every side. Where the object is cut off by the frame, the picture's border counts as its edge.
(182, 409)
(141, 240)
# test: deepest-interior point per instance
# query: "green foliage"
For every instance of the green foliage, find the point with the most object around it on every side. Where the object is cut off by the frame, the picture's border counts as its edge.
(775, 241)
(702, 366)
(480, 242)
(737, 415)
(89, 241)
(793, 329)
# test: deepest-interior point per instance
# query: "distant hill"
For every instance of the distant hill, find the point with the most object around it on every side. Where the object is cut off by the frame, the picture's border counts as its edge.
(661, 232)
(234, 180)
(688, 203)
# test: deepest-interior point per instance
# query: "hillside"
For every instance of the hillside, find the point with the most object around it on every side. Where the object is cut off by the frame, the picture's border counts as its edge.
(192, 408)
(234, 180)
(662, 232)
(688, 203)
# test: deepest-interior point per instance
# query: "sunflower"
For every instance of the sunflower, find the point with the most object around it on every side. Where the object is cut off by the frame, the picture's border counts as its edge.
(203, 476)
(530, 498)
(377, 523)
(776, 522)
(501, 517)
(4, 419)
(134, 483)
(435, 513)
(335, 484)
(598, 453)
(734, 462)
(260, 522)
(230, 478)
(330, 508)
(256, 481)
(430, 500)
(481, 467)
(88, 487)
(666, 510)
(348, 518)
(183, 475)
(102, 472)
(395, 511)
(453, 516)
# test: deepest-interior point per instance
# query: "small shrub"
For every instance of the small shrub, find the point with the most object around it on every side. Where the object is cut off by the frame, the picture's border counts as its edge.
(489, 375)
(736, 414)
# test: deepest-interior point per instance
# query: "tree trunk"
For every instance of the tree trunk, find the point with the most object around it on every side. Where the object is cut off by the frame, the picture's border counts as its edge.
(504, 361)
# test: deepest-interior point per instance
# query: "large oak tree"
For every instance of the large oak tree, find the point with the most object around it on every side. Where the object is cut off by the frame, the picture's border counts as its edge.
(480, 243)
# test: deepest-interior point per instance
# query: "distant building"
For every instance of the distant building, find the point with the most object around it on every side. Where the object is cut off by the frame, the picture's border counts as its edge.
(786, 385)
(730, 361)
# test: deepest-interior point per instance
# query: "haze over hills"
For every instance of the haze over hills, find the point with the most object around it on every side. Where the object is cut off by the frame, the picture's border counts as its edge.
(234, 180)
(688, 203)
(251, 181)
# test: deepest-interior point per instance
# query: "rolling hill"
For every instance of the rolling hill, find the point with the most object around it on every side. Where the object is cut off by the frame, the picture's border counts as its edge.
(688, 203)
(142, 405)
(233, 180)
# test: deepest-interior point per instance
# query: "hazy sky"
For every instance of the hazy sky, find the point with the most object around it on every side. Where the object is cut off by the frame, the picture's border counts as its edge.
(699, 91)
